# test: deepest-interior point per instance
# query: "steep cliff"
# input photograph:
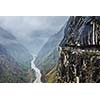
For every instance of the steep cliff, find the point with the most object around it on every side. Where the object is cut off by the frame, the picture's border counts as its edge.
(79, 59)
(48, 55)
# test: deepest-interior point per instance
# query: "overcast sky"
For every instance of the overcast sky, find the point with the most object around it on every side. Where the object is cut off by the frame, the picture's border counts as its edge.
(28, 29)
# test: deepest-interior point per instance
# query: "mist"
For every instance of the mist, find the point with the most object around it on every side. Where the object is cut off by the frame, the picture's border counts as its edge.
(33, 31)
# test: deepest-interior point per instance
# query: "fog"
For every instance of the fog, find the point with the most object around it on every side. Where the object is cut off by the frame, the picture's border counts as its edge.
(33, 32)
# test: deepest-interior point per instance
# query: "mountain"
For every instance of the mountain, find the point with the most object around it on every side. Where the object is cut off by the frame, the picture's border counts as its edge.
(15, 60)
(5, 34)
(10, 70)
(15, 49)
(20, 54)
(48, 56)
(79, 60)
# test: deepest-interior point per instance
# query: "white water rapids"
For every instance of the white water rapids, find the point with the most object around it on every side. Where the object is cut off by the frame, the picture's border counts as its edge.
(37, 72)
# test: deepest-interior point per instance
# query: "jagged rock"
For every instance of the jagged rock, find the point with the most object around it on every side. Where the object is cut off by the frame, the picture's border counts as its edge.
(80, 53)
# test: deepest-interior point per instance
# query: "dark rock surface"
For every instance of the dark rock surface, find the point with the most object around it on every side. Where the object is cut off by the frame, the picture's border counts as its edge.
(79, 59)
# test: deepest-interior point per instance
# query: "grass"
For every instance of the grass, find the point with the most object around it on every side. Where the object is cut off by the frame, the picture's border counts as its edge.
(50, 76)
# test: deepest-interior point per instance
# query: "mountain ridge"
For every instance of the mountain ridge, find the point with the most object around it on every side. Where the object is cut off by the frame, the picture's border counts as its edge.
(15, 60)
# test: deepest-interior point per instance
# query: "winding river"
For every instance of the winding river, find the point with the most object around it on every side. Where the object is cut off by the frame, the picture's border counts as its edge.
(37, 72)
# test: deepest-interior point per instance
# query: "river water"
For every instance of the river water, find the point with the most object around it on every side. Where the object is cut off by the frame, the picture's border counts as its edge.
(37, 72)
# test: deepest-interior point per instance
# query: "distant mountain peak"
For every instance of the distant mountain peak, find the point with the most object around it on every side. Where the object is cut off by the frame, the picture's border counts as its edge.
(5, 34)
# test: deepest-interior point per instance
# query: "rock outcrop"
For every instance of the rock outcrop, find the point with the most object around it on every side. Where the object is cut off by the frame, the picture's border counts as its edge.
(79, 51)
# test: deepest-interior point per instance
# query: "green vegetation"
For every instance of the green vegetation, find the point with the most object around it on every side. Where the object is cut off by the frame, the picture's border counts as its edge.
(51, 75)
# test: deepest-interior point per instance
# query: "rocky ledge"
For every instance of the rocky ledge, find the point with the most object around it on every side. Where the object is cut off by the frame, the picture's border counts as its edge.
(79, 51)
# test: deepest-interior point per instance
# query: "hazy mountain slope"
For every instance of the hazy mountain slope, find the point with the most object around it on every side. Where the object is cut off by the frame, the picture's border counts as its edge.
(20, 54)
(6, 35)
(48, 55)
(14, 48)
(15, 60)
(10, 70)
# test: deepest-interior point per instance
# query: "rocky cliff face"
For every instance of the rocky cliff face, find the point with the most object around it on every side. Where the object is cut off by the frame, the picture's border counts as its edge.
(79, 51)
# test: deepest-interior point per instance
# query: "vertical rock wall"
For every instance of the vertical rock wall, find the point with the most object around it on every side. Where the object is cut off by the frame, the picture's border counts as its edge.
(79, 53)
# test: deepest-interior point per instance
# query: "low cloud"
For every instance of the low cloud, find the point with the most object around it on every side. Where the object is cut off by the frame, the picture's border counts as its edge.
(28, 28)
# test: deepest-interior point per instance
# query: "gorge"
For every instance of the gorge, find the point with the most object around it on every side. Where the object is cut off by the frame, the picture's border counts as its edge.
(76, 57)
(69, 55)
